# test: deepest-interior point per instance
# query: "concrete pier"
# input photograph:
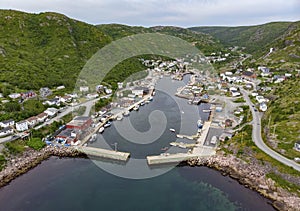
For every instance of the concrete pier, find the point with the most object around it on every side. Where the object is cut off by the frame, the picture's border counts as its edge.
(104, 153)
(169, 158)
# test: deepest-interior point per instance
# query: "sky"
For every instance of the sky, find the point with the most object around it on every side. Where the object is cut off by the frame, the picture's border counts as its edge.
(184, 13)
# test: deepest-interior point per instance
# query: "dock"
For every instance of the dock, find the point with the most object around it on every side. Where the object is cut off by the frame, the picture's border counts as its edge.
(104, 153)
(198, 149)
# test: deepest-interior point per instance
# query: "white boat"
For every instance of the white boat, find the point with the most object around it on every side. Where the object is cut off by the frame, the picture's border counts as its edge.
(107, 124)
(206, 110)
(150, 98)
(142, 103)
(93, 138)
(136, 107)
(126, 113)
(119, 117)
(101, 130)
(172, 130)
(147, 101)
(200, 123)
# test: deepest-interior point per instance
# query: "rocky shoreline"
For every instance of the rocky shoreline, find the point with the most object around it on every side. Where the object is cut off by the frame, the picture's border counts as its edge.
(31, 158)
(252, 176)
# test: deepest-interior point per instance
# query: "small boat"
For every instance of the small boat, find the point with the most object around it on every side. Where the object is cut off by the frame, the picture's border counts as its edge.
(108, 124)
(93, 138)
(200, 123)
(142, 103)
(136, 108)
(150, 98)
(101, 130)
(172, 130)
(120, 117)
(126, 113)
(147, 101)
(206, 110)
(164, 148)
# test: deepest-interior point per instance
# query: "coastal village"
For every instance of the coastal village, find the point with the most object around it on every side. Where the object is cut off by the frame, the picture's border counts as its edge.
(223, 93)
(226, 113)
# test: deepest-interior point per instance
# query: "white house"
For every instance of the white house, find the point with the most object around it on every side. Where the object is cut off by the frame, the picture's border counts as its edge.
(120, 85)
(92, 96)
(7, 123)
(6, 131)
(22, 126)
(260, 99)
(60, 87)
(263, 107)
(32, 121)
(297, 145)
(42, 117)
(108, 91)
(14, 95)
(51, 112)
(84, 88)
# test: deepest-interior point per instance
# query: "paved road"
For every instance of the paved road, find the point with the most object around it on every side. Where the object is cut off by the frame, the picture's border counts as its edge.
(257, 139)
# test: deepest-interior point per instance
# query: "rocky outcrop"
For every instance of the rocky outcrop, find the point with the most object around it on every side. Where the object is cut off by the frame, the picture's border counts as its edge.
(31, 158)
(252, 176)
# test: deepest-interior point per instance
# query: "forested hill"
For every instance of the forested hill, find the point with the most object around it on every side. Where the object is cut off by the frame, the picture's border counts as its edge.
(46, 49)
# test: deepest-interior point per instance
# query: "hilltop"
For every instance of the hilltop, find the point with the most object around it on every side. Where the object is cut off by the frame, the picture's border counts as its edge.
(46, 49)
(205, 42)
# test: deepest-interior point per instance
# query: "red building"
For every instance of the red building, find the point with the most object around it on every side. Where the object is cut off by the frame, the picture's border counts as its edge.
(80, 123)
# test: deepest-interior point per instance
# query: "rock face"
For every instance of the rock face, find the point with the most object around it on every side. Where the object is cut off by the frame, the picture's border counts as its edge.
(32, 158)
(252, 176)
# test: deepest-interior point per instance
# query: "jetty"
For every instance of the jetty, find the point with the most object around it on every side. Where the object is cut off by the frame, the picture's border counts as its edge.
(198, 149)
(104, 153)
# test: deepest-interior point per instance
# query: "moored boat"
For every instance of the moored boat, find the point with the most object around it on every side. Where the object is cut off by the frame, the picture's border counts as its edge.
(200, 123)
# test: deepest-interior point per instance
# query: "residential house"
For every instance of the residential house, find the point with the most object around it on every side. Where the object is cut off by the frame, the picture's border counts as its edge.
(21, 126)
(14, 95)
(263, 106)
(60, 87)
(32, 121)
(51, 112)
(42, 117)
(66, 99)
(27, 95)
(53, 102)
(6, 131)
(84, 88)
(120, 85)
(45, 92)
(92, 95)
(260, 99)
(297, 145)
(7, 123)
(249, 75)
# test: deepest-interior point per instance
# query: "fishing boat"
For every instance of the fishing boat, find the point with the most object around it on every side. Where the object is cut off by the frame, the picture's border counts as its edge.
(108, 124)
(93, 138)
(119, 117)
(136, 108)
(172, 130)
(126, 113)
(101, 130)
(200, 123)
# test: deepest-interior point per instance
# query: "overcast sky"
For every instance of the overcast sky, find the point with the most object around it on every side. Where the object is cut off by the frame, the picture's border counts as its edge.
(166, 12)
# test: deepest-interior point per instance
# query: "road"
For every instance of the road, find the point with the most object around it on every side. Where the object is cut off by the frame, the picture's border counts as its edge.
(257, 139)
(69, 109)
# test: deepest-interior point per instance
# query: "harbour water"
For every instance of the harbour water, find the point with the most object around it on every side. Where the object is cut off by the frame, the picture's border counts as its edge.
(79, 184)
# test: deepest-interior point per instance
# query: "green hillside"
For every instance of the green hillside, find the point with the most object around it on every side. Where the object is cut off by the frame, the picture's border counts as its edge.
(282, 119)
(255, 39)
(46, 49)
(286, 54)
(205, 42)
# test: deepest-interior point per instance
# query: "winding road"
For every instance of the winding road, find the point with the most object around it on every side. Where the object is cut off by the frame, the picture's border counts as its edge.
(257, 139)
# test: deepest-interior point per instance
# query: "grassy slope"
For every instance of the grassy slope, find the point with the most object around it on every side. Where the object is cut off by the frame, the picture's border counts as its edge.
(204, 42)
(46, 49)
(284, 115)
(254, 38)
